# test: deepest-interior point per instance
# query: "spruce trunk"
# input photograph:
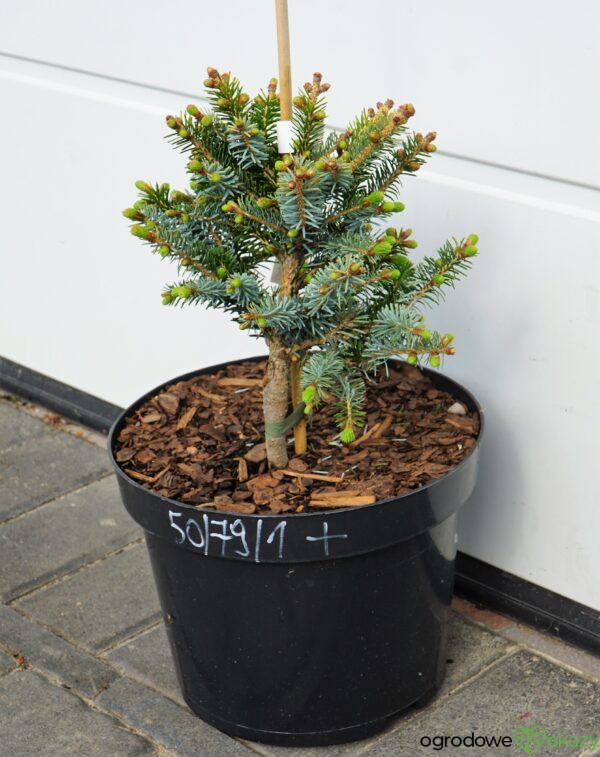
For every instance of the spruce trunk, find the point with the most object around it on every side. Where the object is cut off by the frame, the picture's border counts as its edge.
(276, 399)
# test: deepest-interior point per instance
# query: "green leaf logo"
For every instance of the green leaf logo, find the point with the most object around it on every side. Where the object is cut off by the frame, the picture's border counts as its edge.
(529, 739)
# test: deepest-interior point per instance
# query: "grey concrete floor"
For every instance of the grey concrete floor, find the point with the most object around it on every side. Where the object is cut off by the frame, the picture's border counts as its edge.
(84, 664)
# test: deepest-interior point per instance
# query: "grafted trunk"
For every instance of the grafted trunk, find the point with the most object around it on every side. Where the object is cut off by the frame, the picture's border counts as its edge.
(276, 400)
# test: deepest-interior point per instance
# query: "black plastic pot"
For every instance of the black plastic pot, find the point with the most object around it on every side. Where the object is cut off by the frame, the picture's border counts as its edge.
(306, 629)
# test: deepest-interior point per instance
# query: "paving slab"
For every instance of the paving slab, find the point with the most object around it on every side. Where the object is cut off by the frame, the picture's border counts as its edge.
(16, 426)
(37, 718)
(7, 663)
(521, 691)
(337, 750)
(101, 603)
(164, 721)
(62, 534)
(47, 652)
(566, 654)
(40, 469)
(470, 649)
(148, 659)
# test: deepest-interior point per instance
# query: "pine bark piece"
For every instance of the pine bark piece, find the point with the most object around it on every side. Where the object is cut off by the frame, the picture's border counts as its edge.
(169, 402)
(383, 427)
(466, 425)
(151, 418)
(365, 437)
(144, 457)
(124, 455)
(356, 501)
(357, 457)
(186, 418)
(257, 454)
(213, 432)
(242, 472)
(297, 464)
(241, 382)
(193, 470)
(330, 493)
(209, 395)
(262, 481)
(314, 476)
(144, 477)
(243, 508)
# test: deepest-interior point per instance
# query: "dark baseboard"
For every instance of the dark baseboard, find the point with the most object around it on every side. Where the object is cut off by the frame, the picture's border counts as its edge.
(58, 397)
(495, 588)
(475, 580)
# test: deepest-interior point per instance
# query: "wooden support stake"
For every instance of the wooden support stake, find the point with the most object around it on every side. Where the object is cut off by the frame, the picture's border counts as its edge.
(285, 66)
(284, 136)
(300, 427)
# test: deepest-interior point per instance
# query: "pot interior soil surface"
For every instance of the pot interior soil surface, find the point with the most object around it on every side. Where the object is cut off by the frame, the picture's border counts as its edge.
(201, 442)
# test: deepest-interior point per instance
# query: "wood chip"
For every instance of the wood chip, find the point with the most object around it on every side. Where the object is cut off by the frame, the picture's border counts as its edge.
(257, 454)
(243, 508)
(297, 464)
(426, 454)
(315, 476)
(234, 381)
(213, 432)
(222, 501)
(144, 457)
(464, 424)
(330, 493)
(186, 418)
(357, 457)
(365, 436)
(143, 477)
(169, 402)
(364, 499)
(125, 454)
(242, 472)
(383, 426)
(209, 395)
(261, 481)
(151, 418)
(193, 470)
(239, 495)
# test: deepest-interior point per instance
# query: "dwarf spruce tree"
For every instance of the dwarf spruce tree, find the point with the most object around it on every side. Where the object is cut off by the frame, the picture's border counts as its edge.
(348, 296)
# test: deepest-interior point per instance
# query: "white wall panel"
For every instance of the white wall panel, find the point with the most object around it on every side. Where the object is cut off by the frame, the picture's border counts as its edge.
(80, 296)
(81, 299)
(512, 83)
(526, 322)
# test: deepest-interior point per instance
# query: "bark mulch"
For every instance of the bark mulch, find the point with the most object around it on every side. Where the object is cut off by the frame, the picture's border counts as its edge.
(201, 442)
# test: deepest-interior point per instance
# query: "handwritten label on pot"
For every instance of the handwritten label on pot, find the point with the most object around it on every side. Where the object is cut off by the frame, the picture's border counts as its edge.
(251, 539)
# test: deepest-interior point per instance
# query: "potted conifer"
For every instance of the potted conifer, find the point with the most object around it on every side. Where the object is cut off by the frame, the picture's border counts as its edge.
(305, 582)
